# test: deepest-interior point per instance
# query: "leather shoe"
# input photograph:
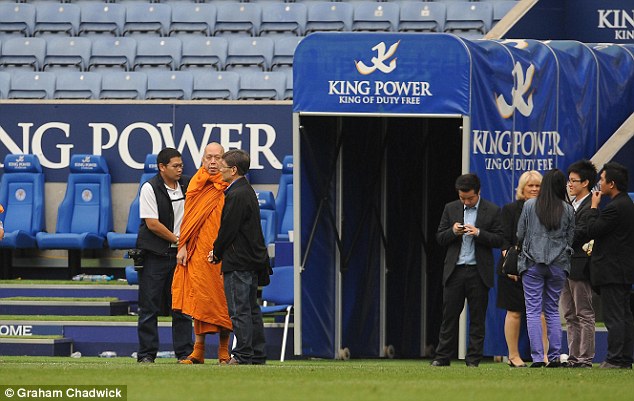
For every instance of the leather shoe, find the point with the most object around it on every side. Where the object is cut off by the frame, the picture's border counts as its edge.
(472, 364)
(233, 361)
(146, 359)
(608, 365)
(538, 364)
(438, 363)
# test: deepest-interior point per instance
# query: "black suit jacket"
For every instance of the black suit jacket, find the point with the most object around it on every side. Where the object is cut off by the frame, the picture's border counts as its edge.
(612, 228)
(240, 242)
(488, 221)
(580, 262)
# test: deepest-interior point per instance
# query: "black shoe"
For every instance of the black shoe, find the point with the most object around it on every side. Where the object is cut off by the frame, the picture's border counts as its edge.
(472, 364)
(146, 359)
(608, 365)
(538, 364)
(438, 363)
(555, 364)
(512, 365)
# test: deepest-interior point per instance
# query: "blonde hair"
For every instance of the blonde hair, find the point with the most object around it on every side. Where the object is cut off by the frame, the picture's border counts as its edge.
(524, 179)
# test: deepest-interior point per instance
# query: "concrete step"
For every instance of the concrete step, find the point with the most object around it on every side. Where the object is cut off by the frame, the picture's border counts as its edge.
(36, 346)
(64, 308)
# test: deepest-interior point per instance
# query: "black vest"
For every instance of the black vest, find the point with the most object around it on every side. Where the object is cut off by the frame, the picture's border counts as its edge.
(146, 239)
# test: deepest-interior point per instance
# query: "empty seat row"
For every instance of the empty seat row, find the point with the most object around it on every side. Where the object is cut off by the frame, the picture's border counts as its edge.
(233, 18)
(153, 85)
(129, 54)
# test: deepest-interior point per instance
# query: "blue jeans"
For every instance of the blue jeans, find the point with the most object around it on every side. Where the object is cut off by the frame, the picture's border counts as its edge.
(542, 288)
(241, 289)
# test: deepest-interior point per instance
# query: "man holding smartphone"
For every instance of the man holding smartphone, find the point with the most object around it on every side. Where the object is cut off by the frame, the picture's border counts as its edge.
(470, 228)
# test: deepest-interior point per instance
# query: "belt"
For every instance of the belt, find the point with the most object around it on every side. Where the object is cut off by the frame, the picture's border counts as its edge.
(466, 266)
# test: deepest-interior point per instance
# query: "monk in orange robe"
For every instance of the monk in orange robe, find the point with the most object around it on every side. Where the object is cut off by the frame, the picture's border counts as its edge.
(198, 287)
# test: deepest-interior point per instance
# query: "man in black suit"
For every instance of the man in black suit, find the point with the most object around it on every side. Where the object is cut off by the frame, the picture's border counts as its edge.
(612, 266)
(240, 247)
(470, 228)
(576, 296)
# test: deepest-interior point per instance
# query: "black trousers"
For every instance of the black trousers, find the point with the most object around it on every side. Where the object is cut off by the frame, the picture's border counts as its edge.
(155, 295)
(464, 282)
(617, 314)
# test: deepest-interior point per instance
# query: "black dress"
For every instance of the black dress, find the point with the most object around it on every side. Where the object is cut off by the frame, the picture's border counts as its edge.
(510, 292)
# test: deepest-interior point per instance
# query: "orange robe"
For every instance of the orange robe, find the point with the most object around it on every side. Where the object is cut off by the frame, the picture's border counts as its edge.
(198, 288)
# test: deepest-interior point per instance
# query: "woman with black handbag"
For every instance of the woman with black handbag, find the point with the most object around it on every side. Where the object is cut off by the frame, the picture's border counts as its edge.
(510, 291)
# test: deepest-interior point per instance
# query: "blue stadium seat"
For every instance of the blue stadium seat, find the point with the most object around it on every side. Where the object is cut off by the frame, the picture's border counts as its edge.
(249, 54)
(375, 17)
(157, 53)
(16, 20)
(85, 215)
(469, 20)
(241, 19)
(500, 9)
(288, 93)
(149, 19)
(204, 52)
(123, 85)
(22, 195)
(283, 18)
(112, 53)
(32, 85)
(5, 84)
(193, 19)
(416, 16)
(268, 218)
(98, 18)
(258, 85)
(67, 53)
(77, 85)
(212, 85)
(127, 240)
(279, 297)
(56, 19)
(177, 85)
(284, 199)
(329, 16)
(283, 52)
(23, 53)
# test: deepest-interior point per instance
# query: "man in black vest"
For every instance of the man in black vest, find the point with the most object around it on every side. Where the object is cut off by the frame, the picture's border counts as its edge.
(161, 207)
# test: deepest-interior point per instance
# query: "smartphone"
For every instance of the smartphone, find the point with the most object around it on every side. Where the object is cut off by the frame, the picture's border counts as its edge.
(461, 226)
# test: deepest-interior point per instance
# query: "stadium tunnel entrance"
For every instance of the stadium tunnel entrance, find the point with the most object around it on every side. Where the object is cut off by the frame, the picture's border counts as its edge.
(382, 126)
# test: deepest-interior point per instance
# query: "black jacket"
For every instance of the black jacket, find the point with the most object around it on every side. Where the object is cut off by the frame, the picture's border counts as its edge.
(612, 259)
(240, 242)
(146, 239)
(491, 236)
(580, 262)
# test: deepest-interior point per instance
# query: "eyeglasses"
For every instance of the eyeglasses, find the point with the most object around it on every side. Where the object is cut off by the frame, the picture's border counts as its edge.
(573, 180)
(225, 167)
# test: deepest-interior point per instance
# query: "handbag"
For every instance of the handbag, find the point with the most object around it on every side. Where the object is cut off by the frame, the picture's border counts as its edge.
(509, 263)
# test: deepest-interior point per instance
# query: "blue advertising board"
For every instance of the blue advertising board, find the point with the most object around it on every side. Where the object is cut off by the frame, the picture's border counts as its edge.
(125, 133)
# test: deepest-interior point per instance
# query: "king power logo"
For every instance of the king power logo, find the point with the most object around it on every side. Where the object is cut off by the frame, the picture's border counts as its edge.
(522, 86)
(378, 62)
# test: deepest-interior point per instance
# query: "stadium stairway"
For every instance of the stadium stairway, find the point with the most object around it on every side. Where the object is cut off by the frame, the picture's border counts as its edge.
(53, 320)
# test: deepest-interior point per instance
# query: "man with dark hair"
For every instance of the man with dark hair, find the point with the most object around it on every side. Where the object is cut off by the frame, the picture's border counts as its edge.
(240, 247)
(576, 296)
(161, 208)
(612, 266)
(470, 228)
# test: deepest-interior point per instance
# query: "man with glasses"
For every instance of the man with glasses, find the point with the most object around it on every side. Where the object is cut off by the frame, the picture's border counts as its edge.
(240, 247)
(612, 265)
(469, 228)
(161, 208)
(576, 296)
